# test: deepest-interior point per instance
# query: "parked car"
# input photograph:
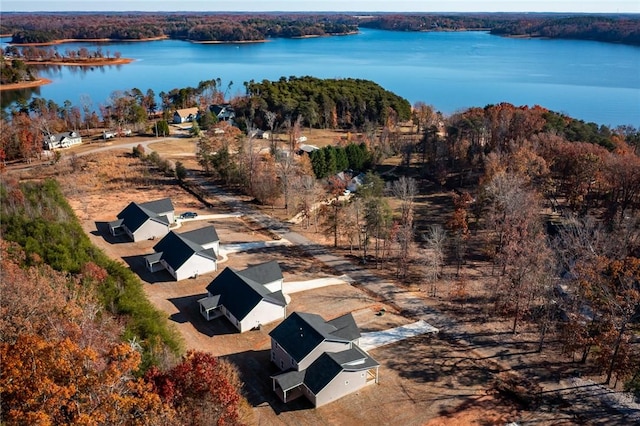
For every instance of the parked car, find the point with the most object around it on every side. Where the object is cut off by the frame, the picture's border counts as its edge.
(188, 215)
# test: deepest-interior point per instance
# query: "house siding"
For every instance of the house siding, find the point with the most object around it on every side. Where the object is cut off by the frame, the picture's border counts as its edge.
(215, 245)
(284, 361)
(281, 358)
(170, 216)
(326, 346)
(343, 384)
(149, 229)
(230, 317)
(195, 265)
(263, 313)
(274, 285)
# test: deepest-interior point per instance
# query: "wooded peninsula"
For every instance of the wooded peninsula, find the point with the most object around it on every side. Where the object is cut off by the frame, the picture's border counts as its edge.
(242, 27)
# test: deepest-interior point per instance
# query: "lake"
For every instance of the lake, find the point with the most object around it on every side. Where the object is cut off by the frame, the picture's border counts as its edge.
(591, 81)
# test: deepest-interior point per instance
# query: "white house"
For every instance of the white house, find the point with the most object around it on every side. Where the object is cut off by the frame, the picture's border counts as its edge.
(248, 298)
(185, 115)
(144, 221)
(319, 359)
(187, 254)
(62, 140)
(224, 112)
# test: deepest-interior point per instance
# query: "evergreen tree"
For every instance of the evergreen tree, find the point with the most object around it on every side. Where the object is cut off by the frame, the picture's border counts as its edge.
(342, 162)
(330, 160)
(318, 164)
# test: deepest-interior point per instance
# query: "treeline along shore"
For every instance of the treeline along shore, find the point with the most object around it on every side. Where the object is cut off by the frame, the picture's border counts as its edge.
(45, 28)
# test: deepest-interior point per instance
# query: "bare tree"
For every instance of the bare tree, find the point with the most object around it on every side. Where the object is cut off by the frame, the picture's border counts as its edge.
(521, 250)
(435, 239)
(405, 189)
(270, 116)
(285, 169)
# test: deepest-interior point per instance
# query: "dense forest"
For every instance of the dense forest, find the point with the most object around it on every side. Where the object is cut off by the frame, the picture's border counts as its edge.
(326, 103)
(614, 29)
(47, 28)
(34, 28)
(15, 71)
(607, 29)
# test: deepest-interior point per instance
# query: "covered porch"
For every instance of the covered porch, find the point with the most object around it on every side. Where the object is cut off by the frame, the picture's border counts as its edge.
(210, 307)
(288, 385)
(153, 262)
(116, 227)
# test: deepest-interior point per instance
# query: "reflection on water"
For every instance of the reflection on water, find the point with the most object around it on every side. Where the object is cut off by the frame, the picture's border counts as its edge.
(10, 99)
(18, 96)
(592, 81)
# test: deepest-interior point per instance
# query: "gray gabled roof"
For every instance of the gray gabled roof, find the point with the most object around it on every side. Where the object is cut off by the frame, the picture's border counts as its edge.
(116, 223)
(239, 295)
(135, 215)
(210, 302)
(289, 379)
(301, 333)
(159, 207)
(202, 236)
(153, 258)
(346, 327)
(329, 365)
(263, 273)
(176, 250)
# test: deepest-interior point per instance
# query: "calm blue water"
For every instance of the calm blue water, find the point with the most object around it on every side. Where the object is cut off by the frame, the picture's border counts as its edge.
(587, 80)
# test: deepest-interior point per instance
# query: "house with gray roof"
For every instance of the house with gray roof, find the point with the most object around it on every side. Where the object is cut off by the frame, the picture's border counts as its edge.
(62, 140)
(224, 112)
(319, 359)
(187, 254)
(248, 298)
(144, 221)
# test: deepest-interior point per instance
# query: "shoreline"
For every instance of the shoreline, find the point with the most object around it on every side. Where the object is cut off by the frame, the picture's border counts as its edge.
(25, 84)
(89, 40)
(264, 40)
(85, 63)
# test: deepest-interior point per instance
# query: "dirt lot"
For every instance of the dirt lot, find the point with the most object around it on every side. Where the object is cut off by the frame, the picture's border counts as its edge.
(424, 380)
(105, 183)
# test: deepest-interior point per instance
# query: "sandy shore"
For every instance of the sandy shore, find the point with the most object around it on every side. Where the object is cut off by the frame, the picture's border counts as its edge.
(25, 84)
